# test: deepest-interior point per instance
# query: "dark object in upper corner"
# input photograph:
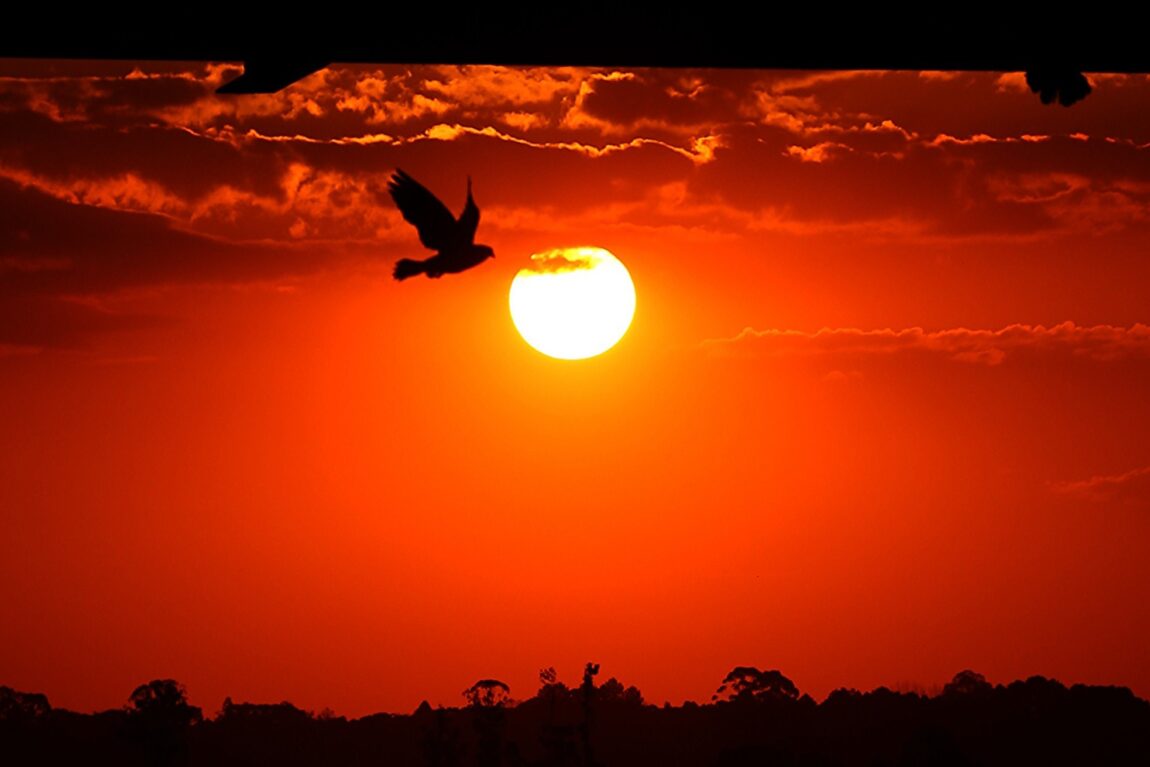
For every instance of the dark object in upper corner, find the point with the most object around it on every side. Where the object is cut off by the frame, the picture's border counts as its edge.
(1053, 52)
(1068, 86)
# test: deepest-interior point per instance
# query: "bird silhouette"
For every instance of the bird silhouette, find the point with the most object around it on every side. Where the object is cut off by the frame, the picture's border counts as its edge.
(453, 240)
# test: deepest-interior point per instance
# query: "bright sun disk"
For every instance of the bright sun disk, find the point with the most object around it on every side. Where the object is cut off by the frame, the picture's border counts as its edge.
(573, 303)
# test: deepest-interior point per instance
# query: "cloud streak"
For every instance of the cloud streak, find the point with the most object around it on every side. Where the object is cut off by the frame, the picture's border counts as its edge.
(975, 346)
(560, 260)
(1130, 487)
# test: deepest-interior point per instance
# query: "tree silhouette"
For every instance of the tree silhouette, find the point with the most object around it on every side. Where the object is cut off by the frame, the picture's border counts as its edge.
(440, 740)
(487, 699)
(556, 728)
(488, 693)
(613, 691)
(275, 714)
(968, 683)
(1035, 721)
(163, 699)
(16, 706)
(749, 684)
(587, 689)
(159, 716)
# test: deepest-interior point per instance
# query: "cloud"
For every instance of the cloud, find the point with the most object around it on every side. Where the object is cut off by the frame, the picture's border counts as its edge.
(843, 376)
(747, 152)
(332, 204)
(821, 152)
(120, 99)
(51, 270)
(790, 83)
(129, 142)
(523, 121)
(1012, 82)
(561, 260)
(486, 86)
(102, 250)
(943, 139)
(342, 100)
(984, 347)
(938, 76)
(1132, 487)
(701, 150)
(663, 102)
(796, 105)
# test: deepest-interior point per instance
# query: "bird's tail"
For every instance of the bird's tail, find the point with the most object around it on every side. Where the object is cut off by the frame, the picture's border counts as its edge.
(405, 268)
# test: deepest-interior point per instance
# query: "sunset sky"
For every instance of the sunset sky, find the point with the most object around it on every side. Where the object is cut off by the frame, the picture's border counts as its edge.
(882, 414)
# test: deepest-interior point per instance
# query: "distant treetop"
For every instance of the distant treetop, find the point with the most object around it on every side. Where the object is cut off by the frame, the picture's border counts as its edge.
(747, 684)
(488, 693)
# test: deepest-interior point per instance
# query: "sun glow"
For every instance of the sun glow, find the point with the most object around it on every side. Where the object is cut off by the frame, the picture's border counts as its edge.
(573, 303)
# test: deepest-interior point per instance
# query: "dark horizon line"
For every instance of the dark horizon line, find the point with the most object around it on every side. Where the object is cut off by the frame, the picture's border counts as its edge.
(962, 682)
(760, 719)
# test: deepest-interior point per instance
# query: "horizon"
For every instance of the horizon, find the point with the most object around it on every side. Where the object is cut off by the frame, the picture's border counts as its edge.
(510, 700)
(880, 415)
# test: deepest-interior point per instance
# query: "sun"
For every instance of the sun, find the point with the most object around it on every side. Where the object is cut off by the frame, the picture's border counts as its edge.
(573, 303)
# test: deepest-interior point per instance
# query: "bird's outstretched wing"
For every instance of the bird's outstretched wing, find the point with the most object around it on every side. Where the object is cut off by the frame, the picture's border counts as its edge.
(469, 218)
(437, 227)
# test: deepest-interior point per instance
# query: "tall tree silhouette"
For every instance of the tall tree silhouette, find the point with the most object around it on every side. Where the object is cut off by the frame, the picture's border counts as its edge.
(557, 734)
(159, 716)
(440, 739)
(486, 700)
(587, 690)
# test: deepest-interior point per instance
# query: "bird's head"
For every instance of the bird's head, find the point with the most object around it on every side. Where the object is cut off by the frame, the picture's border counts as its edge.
(485, 251)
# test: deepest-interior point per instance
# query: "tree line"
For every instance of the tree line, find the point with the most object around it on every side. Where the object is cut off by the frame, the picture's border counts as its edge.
(755, 717)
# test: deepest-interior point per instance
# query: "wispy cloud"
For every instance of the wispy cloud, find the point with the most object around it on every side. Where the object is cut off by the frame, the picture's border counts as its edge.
(987, 347)
(1132, 487)
(985, 138)
(821, 152)
(700, 150)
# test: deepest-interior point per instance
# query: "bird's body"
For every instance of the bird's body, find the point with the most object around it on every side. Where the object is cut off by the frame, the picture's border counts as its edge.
(441, 264)
(453, 240)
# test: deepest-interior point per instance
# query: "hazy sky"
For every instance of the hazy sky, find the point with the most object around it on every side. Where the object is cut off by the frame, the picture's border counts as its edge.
(882, 414)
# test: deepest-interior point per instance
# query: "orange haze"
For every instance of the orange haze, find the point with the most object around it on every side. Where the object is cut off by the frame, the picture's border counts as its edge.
(881, 415)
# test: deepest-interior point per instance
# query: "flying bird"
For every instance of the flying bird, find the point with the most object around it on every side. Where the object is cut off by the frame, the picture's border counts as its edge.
(453, 241)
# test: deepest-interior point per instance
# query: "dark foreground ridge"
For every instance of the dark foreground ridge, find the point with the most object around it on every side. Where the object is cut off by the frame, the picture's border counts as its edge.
(755, 718)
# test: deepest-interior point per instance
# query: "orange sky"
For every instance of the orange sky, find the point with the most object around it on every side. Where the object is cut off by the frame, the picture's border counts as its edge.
(881, 415)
